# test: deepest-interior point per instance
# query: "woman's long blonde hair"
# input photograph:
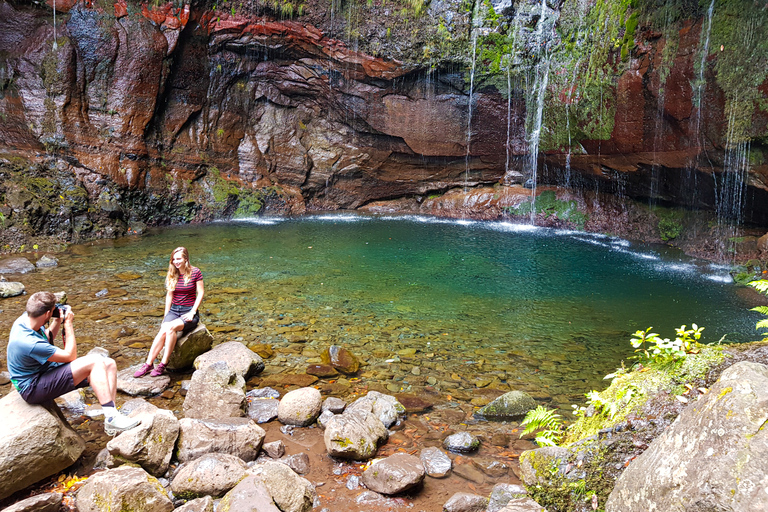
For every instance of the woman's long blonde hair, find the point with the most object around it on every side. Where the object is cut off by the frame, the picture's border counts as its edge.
(173, 273)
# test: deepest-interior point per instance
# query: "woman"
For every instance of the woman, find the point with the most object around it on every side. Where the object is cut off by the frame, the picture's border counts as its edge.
(185, 293)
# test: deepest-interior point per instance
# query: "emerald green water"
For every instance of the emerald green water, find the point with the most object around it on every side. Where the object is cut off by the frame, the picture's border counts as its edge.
(518, 307)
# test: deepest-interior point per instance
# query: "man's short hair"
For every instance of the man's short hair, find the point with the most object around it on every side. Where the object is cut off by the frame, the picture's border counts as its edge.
(40, 303)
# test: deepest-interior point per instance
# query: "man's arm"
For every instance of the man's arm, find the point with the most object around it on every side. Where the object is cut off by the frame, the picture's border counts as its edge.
(69, 352)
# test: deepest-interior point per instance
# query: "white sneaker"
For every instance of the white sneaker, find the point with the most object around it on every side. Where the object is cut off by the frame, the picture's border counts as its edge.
(119, 423)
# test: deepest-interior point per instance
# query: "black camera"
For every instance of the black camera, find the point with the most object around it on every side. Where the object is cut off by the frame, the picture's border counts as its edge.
(59, 310)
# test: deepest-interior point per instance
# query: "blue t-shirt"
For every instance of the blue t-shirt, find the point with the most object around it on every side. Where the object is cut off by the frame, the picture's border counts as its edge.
(28, 353)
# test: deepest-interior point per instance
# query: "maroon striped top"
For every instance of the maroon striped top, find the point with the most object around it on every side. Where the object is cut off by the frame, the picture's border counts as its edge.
(186, 293)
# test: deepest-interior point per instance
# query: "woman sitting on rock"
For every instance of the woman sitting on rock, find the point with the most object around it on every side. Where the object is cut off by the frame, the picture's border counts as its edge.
(185, 293)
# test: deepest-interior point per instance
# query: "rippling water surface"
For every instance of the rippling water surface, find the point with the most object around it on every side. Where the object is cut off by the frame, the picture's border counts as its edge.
(485, 305)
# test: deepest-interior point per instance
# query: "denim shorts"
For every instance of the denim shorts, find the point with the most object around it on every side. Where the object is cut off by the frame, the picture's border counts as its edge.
(176, 311)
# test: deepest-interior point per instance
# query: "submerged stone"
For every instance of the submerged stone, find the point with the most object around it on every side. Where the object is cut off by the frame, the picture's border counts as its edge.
(511, 405)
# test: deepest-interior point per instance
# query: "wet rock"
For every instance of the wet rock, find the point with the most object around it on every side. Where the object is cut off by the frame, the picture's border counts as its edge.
(413, 403)
(275, 449)
(502, 494)
(322, 370)
(144, 386)
(204, 504)
(74, 401)
(469, 472)
(240, 437)
(300, 407)
(45, 502)
(123, 332)
(511, 405)
(465, 502)
(394, 474)
(5, 378)
(354, 435)
(385, 407)
(264, 350)
(522, 505)
(47, 261)
(491, 467)
(263, 393)
(462, 442)
(35, 442)
(289, 379)
(123, 488)
(240, 358)
(248, 495)
(341, 359)
(215, 392)
(150, 444)
(324, 418)
(212, 474)
(298, 462)
(709, 456)
(190, 347)
(436, 463)
(263, 410)
(334, 405)
(11, 289)
(291, 492)
(16, 266)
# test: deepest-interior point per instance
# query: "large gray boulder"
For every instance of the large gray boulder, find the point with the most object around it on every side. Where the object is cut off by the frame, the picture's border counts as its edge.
(144, 386)
(240, 437)
(394, 474)
(713, 457)
(354, 435)
(35, 443)
(510, 405)
(213, 474)
(387, 408)
(123, 488)
(240, 358)
(151, 443)
(10, 289)
(291, 492)
(300, 407)
(249, 495)
(190, 347)
(216, 391)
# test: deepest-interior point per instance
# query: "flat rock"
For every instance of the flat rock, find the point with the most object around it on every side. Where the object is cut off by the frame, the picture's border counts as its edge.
(45, 502)
(263, 410)
(298, 462)
(47, 261)
(263, 393)
(436, 463)
(10, 289)
(322, 370)
(334, 404)
(16, 266)
(522, 505)
(413, 403)
(123, 488)
(240, 437)
(143, 386)
(240, 358)
(394, 474)
(469, 472)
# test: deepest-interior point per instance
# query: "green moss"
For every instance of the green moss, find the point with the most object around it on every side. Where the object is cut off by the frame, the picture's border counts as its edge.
(548, 205)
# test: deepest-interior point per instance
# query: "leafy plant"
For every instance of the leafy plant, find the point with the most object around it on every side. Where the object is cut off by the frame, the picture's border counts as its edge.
(548, 421)
(761, 285)
(661, 350)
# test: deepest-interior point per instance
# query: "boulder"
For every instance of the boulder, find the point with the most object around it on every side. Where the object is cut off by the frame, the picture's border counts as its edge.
(47, 261)
(215, 392)
(713, 457)
(123, 488)
(385, 407)
(144, 386)
(150, 444)
(465, 502)
(35, 443)
(511, 405)
(341, 359)
(354, 435)
(436, 463)
(263, 410)
(248, 495)
(46, 502)
(291, 492)
(237, 356)
(16, 266)
(204, 504)
(188, 348)
(240, 437)
(394, 474)
(300, 407)
(461, 442)
(335, 405)
(10, 289)
(502, 494)
(213, 474)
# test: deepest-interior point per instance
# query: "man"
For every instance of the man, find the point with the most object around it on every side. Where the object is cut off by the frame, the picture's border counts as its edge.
(40, 371)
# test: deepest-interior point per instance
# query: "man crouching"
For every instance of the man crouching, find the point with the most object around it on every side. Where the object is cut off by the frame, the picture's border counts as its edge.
(40, 371)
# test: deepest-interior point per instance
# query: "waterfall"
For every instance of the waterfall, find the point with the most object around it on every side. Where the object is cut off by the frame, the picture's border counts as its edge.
(55, 44)
(701, 82)
(731, 185)
(475, 29)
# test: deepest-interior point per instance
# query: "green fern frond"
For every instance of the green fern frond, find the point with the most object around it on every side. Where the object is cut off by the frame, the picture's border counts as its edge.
(761, 309)
(549, 437)
(762, 324)
(542, 418)
(760, 285)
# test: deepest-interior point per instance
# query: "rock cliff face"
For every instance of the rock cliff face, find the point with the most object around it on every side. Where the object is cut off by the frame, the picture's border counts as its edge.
(203, 109)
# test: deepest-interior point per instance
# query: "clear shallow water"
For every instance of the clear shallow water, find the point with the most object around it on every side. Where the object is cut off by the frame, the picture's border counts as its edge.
(550, 312)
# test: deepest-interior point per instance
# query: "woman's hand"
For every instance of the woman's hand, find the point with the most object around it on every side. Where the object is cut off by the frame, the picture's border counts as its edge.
(188, 316)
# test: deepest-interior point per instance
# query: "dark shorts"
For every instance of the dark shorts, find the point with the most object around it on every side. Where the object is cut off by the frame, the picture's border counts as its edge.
(51, 384)
(175, 313)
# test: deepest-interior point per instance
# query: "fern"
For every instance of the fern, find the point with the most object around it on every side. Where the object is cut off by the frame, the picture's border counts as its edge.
(548, 422)
(761, 285)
